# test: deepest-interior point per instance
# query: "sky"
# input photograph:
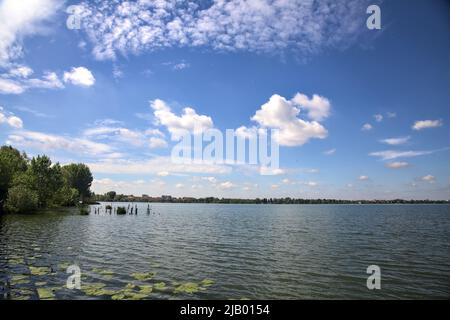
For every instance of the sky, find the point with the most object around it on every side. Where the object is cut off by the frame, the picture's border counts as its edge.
(361, 113)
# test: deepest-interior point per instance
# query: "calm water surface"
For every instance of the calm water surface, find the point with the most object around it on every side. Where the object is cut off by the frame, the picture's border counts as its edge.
(248, 251)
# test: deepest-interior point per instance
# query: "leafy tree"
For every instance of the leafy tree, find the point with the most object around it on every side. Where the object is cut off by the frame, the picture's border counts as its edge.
(111, 195)
(46, 179)
(21, 199)
(11, 163)
(66, 196)
(79, 177)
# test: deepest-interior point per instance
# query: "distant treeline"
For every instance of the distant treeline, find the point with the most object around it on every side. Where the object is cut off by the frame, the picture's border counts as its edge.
(27, 185)
(112, 196)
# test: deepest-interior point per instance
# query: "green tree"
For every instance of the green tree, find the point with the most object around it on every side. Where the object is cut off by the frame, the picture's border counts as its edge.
(11, 163)
(79, 177)
(46, 179)
(21, 199)
(111, 195)
(66, 196)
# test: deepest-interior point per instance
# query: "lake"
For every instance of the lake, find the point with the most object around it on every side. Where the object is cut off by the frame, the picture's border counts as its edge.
(208, 251)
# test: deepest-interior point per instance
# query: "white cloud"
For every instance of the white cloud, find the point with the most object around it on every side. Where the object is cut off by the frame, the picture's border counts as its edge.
(429, 178)
(329, 152)
(363, 178)
(107, 130)
(21, 71)
(177, 125)
(267, 171)
(426, 124)
(19, 19)
(80, 76)
(397, 165)
(391, 115)
(156, 143)
(367, 127)
(305, 27)
(17, 81)
(49, 142)
(396, 141)
(279, 113)
(392, 154)
(179, 185)
(163, 174)
(318, 107)
(226, 185)
(378, 117)
(8, 86)
(157, 165)
(9, 119)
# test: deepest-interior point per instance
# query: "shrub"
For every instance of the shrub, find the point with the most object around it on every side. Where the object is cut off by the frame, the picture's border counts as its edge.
(21, 199)
(121, 210)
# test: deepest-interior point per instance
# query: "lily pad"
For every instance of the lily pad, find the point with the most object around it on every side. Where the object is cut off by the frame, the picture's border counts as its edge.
(146, 289)
(39, 271)
(143, 276)
(16, 261)
(96, 289)
(64, 265)
(40, 284)
(207, 283)
(19, 278)
(46, 293)
(188, 287)
(160, 286)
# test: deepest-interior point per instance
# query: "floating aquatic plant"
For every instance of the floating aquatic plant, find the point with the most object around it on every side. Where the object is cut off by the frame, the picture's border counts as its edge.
(64, 265)
(39, 271)
(143, 276)
(96, 289)
(16, 260)
(40, 284)
(188, 287)
(145, 289)
(160, 286)
(46, 293)
(207, 283)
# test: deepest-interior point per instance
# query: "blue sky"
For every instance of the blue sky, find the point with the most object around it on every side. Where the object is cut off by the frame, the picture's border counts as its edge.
(377, 127)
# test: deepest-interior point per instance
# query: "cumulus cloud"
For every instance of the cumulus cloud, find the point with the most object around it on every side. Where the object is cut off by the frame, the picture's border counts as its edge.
(426, 124)
(80, 76)
(363, 178)
(396, 141)
(19, 19)
(306, 27)
(282, 114)
(367, 127)
(9, 119)
(318, 107)
(397, 165)
(178, 125)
